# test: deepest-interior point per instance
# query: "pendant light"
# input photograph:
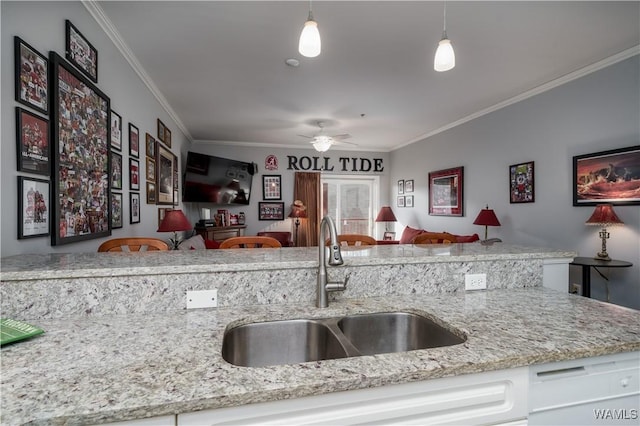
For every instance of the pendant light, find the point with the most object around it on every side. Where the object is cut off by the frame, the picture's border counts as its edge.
(309, 44)
(445, 59)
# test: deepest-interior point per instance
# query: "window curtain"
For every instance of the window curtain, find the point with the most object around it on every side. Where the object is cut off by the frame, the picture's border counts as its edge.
(306, 188)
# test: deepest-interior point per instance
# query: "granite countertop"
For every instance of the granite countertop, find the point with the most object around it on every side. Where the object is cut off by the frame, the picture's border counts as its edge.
(111, 368)
(78, 265)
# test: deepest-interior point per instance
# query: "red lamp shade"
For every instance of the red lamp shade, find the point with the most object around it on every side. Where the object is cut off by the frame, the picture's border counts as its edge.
(386, 215)
(174, 220)
(604, 215)
(298, 209)
(487, 217)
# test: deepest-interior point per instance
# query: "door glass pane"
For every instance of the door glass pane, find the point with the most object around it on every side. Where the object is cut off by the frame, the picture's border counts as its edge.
(350, 203)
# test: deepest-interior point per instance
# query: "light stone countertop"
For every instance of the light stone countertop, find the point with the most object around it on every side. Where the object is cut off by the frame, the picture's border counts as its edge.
(110, 368)
(79, 265)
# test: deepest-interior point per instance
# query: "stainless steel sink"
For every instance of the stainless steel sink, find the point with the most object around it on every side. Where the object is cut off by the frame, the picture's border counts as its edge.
(301, 340)
(280, 342)
(395, 332)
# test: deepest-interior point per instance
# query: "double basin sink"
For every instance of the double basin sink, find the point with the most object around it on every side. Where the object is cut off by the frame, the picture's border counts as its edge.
(301, 340)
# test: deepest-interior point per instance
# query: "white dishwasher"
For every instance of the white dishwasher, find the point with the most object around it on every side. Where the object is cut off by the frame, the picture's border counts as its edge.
(589, 391)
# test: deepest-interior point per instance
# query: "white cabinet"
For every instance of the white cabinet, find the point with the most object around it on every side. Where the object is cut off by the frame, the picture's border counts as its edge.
(492, 397)
(589, 391)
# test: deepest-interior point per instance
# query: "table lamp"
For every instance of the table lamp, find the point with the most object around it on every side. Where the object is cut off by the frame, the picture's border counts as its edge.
(386, 215)
(487, 218)
(604, 216)
(174, 221)
(298, 210)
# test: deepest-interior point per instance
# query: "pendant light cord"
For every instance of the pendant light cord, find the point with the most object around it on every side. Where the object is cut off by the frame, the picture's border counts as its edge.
(444, 25)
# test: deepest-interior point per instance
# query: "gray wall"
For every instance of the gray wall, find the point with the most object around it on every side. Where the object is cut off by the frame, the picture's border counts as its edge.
(594, 113)
(42, 25)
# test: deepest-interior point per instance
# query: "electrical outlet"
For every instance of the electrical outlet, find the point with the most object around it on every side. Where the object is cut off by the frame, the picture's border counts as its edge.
(475, 281)
(202, 299)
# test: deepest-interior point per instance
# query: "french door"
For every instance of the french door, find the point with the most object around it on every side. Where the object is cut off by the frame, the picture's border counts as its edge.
(351, 201)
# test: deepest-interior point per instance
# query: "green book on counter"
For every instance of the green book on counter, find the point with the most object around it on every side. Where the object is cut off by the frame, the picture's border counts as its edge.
(12, 331)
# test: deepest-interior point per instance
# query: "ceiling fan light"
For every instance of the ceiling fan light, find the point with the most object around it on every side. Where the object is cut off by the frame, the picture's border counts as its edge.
(322, 143)
(445, 58)
(310, 45)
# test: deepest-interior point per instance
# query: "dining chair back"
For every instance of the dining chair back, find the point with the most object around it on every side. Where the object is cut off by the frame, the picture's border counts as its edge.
(434, 238)
(354, 240)
(250, 242)
(131, 244)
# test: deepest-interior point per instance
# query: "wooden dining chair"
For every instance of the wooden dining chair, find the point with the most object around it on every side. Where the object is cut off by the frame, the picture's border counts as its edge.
(132, 244)
(250, 242)
(354, 240)
(434, 238)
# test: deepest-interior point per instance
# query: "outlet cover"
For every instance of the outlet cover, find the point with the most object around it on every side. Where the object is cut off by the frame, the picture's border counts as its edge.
(202, 299)
(475, 281)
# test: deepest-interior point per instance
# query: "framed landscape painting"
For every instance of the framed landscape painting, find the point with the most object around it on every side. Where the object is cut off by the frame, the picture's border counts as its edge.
(607, 177)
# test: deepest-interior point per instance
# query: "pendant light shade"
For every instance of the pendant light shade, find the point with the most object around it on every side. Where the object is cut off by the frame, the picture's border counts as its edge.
(310, 45)
(445, 59)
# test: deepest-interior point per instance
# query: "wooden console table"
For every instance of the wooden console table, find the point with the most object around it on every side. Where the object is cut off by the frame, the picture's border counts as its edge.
(220, 233)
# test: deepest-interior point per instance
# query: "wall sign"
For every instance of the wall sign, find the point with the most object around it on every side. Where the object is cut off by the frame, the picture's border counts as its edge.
(344, 164)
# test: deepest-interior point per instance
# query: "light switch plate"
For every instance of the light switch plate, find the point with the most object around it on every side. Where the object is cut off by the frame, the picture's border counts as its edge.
(202, 299)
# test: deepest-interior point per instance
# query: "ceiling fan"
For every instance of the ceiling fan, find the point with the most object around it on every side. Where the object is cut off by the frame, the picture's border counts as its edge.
(322, 142)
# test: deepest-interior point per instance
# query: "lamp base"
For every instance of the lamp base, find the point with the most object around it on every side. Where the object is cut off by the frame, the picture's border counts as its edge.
(602, 256)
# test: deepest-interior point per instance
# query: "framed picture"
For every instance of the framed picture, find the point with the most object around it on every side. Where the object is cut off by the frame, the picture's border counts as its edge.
(271, 187)
(116, 210)
(151, 193)
(81, 160)
(270, 211)
(116, 130)
(400, 201)
(408, 200)
(32, 76)
(33, 207)
(607, 177)
(116, 171)
(134, 141)
(167, 137)
(134, 174)
(521, 183)
(164, 175)
(401, 187)
(151, 169)
(408, 186)
(81, 53)
(151, 146)
(33, 143)
(161, 128)
(134, 207)
(389, 236)
(445, 192)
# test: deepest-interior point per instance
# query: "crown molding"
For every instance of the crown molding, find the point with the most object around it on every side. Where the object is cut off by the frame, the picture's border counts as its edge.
(611, 60)
(110, 30)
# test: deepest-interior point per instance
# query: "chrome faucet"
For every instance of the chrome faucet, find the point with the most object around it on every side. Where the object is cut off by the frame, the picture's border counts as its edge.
(335, 259)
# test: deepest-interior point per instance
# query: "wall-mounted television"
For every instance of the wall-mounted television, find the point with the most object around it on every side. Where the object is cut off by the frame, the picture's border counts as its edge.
(216, 180)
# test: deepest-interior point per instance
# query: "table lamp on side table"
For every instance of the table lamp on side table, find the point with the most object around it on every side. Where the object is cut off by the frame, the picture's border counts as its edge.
(174, 221)
(487, 217)
(604, 216)
(386, 215)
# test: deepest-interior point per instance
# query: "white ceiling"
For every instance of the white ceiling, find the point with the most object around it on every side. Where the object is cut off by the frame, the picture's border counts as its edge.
(221, 65)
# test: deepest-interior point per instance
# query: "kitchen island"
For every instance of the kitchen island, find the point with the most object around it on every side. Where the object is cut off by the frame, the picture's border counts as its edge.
(127, 364)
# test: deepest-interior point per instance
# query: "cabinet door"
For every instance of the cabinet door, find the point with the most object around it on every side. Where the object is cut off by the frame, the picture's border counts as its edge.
(492, 397)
